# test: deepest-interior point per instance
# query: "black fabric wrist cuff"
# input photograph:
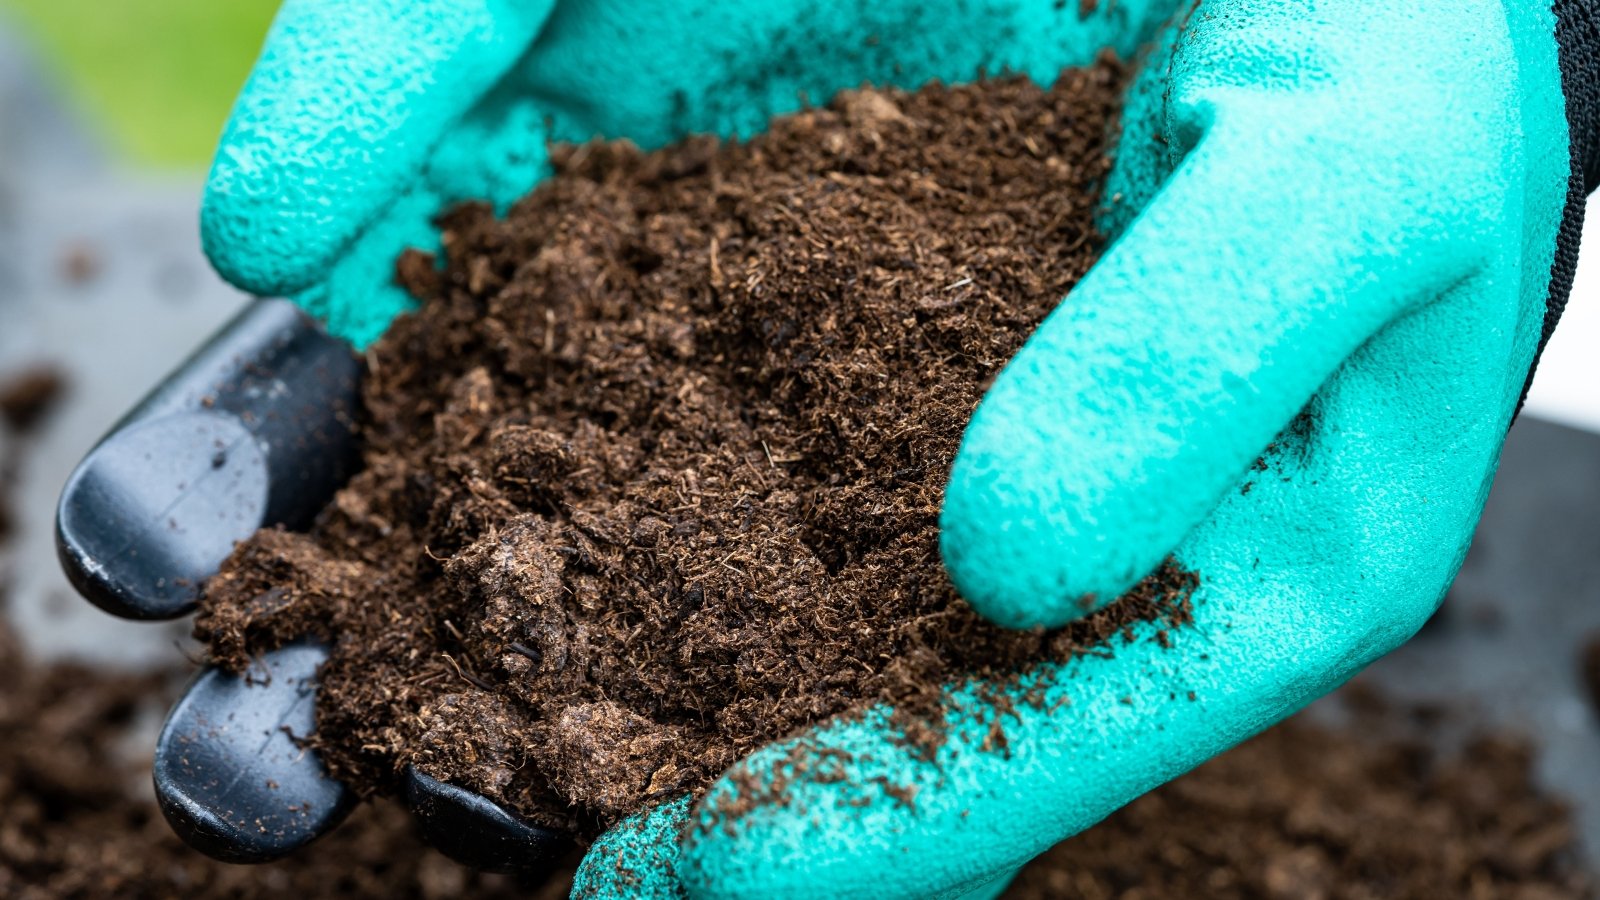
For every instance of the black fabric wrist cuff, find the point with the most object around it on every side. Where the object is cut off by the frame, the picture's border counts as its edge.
(1578, 43)
(1578, 52)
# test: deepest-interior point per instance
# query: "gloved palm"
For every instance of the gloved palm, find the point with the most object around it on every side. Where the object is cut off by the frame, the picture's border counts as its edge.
(1342, 215)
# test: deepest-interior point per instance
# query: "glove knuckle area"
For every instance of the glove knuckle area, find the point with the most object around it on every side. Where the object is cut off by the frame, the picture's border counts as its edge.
(1424, 123)
(726, 67)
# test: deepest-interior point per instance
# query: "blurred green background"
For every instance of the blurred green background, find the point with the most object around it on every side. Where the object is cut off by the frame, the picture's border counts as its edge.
(155, 76)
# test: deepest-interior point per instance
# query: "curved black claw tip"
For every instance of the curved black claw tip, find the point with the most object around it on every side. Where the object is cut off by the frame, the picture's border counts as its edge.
(255, 429)
(474, 831)
(229, 776)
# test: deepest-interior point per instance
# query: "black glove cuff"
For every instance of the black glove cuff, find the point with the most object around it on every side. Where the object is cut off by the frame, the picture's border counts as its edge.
(1578, 53)
(1578, 40)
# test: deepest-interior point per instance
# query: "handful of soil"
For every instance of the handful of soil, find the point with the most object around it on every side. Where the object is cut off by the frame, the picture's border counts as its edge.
(653, 476)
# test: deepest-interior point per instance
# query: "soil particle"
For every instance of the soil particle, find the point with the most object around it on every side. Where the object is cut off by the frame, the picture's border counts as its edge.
(653, 476)
(27, 396)
(1589, 662)
(80, 263)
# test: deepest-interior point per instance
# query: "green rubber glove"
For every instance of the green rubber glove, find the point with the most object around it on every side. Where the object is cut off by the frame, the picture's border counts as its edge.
(1347, 207)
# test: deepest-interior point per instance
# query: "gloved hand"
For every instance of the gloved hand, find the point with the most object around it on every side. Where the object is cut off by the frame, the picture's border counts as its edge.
(1342, 216)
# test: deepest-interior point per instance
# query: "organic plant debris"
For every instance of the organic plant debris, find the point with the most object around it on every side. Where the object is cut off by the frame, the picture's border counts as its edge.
(653, 476)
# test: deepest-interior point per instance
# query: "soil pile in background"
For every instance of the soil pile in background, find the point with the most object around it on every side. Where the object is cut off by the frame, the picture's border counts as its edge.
(1370, 810)
(80, 819)
(653, 476)
(1305, 810)
(78, 814)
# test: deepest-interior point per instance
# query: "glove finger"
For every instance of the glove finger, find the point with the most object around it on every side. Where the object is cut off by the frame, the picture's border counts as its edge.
(637, 859)
(1329, 557)
(342, 109)
(358, 297)
(1270, 254)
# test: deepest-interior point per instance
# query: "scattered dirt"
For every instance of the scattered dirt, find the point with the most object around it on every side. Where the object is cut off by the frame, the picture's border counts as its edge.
(80, 263)
(26, 396)
(1590, 665)
(653, 476)
(78, 814)
(1304, 811)
(80, 818)
(1367, 811)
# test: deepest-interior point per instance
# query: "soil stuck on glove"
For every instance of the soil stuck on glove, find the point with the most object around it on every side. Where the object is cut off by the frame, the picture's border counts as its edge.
(653, 476)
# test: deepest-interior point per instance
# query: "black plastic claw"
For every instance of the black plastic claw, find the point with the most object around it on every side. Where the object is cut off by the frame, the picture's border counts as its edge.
(229, 775)
(255, 429)
(473, 830)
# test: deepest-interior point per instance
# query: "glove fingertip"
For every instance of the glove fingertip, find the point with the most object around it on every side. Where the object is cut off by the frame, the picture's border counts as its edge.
(260, 236)
(638, 858)
(1013, 543)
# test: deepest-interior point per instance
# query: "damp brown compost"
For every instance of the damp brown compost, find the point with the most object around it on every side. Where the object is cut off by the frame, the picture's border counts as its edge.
(652, 476)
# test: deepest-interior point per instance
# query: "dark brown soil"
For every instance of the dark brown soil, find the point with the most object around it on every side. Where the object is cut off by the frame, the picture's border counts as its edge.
(1367, 812)
(26, 396)
(80, 819)
(1304, 811)
(1363, 812)
(1589, 664)
(653, 476)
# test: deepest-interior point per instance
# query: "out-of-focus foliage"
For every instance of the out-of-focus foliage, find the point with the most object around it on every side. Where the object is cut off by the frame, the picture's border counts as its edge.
(156, 76)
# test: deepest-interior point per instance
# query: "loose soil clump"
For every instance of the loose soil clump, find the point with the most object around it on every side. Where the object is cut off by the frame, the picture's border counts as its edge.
(653, 476)
(1589, 665)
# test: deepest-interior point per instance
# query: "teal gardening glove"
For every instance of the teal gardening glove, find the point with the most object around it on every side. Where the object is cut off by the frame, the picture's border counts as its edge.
(1341, 214)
